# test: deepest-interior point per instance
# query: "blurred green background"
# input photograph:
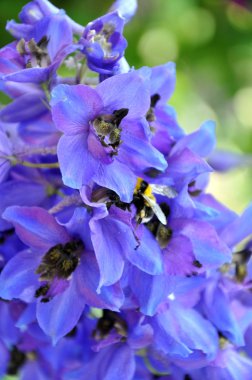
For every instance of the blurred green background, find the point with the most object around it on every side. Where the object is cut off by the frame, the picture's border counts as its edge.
(211, 43)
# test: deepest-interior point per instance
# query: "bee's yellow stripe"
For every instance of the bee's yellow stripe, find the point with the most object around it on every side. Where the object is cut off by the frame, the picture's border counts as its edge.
(147, 192)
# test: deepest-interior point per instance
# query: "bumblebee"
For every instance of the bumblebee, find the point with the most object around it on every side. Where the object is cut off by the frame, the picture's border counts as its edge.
(145, 201)
(162, 233)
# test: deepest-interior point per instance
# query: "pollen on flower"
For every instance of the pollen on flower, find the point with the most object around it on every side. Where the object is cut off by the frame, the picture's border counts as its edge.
(60, 261)
(42, 290)
(17, 359)
(108, 322)
(102, 37)
(107, 128)
(34, 53)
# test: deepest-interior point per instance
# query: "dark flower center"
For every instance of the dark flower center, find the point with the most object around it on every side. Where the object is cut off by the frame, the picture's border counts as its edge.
(192, 190)
(241, 259)
(107, 128)
(150, 116)
(59, 262)
(17, 359)
(109, 321)
(5, 234)
(34, 53)
(197, 264)
(72, 333)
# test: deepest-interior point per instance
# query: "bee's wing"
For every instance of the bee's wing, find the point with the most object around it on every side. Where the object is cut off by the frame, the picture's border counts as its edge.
(156, 209)
(167, 191)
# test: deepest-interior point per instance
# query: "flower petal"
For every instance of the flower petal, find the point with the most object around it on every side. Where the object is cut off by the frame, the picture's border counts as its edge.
(207, 246)
(32, 75)
(179, 331)
(118, 177)
(109, 244)
(18, 278)
(129, 90)
(138, 153)
(110, 363)
(163, 79)
(150, 291)
(61, 314)
(184, 166)
(88, 276)
(147, 256)
(201, 142)
(25, 107)
(178, 257)
(36, 227)
(239, 229)
(217, 310)
(126, 9)
(73, 107)
(77, 165)
(21, 193)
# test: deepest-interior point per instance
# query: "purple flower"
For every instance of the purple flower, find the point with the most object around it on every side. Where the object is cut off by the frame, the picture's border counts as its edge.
(229, 365)
(37, 55)
(60, 272)
(217, 307)
(118, 337)
(32, 13)
(103, 42)
(184, 336)
(126, 8)
(5, 150)
(115, 262)
(161, 116)
(223, 161)
(238, 229)
(105, 136)
(120, 244)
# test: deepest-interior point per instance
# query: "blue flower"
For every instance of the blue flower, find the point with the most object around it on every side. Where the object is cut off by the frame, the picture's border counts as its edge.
(126, 8)
(54, 285)
(103, 42)
(105, 135)
(32, 13)
(37, 55)
(5, 150)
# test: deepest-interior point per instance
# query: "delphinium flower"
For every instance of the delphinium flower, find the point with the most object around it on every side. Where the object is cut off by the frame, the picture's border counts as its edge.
(103, 42)
(222, 160)
(107, 132)
(58, 272)
(115, 261)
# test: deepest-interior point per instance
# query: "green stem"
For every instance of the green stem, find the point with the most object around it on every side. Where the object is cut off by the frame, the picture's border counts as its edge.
(46, 91)
(81, 72)
(16, 161)
(35, 165)
(152, 370)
